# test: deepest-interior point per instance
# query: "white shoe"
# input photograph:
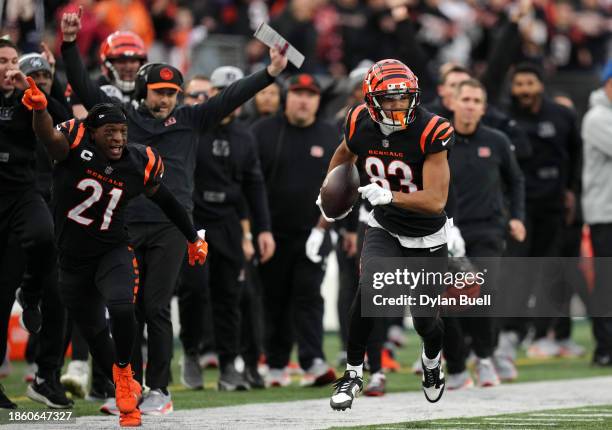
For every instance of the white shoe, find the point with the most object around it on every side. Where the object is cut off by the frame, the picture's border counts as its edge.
(278, 378)
(76, 378)
(156, 403)
(417, 367)
(569, 348)
(458, 381)
(485, 373)
(109, 407)
(507, 344)
(544, 348)
(506, 370)
(396, 335)
(320, 373)
(210, 359)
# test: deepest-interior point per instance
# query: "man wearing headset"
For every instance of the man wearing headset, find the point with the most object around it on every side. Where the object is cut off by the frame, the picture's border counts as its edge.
(173, 131)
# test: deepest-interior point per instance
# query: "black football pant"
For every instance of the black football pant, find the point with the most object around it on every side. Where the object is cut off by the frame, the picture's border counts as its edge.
(89, 288)
(482, 248)
(600, 302)
(27, 217)
(251, 310)
(293, 305)
(380, 244)
(160, 249)
(544, 238)
(219, 276)
(29, 239)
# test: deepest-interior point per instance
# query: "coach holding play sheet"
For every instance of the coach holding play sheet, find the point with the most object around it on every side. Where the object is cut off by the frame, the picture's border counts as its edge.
(157, 121)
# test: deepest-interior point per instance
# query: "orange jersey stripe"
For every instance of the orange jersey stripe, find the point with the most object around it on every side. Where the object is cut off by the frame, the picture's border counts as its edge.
(428, 128)
(354, 116)
(71, 125)
(440, 129)
(79, 136)
(150, 164)
(448, 133)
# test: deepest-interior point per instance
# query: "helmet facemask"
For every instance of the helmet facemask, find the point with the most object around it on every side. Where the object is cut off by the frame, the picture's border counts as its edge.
(393, 117)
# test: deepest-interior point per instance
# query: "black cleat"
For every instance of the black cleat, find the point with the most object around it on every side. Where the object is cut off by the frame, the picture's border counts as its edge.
(5, 402)
(50, 394)
(31, 318)
(433, 382)
(252, 376)
(232, 380)
(345, 390)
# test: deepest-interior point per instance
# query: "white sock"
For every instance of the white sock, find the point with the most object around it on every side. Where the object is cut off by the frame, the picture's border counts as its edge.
(431, 363)
(358, 369)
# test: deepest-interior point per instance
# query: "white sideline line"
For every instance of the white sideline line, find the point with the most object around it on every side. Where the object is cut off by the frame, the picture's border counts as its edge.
(388, 410)
(562, 415)
(522, 419)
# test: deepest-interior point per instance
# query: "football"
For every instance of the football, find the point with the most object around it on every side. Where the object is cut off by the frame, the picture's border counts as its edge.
(339, 190)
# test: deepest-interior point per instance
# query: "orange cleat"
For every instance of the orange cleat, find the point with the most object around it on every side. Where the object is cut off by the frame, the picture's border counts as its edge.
(127, 390)
(387, 361)
(130, 419)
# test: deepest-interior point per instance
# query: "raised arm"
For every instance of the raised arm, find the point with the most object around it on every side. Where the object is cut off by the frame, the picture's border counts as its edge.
(42, 123)
(208, 114)
(78, 78)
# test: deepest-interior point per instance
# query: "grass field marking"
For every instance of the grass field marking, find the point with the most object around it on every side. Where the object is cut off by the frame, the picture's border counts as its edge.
(557, 418)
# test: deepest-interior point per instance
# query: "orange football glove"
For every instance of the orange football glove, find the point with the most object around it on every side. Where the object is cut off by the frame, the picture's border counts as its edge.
(34, 98)
(198, 250)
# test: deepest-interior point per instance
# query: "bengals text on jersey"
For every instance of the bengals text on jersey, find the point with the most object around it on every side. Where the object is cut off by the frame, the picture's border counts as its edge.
(91, 192)
(395, 162)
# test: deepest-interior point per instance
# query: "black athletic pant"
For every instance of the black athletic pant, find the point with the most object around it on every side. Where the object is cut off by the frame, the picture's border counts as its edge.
(88, 288)
(251, 327)
(219, 277)
(293, 305)
(544, 238)
(160, 249)
(348, 277)
(11, 274)
(380, 244)
(601, 297)
(482, 248)
(26, 216)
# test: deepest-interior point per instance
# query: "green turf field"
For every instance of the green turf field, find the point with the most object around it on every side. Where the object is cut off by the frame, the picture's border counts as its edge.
(587, 418)
(530, 370)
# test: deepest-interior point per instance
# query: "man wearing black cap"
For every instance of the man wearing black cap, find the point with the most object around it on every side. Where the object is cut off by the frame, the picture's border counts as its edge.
(295, 148)
(227, 168)
(173, 131)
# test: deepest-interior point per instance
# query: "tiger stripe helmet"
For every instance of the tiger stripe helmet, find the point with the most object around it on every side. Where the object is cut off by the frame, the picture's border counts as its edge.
(391, 79)
(121, 44)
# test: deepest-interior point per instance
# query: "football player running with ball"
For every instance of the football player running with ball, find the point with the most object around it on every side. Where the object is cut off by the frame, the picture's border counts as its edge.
(403, 149)
(96, 174)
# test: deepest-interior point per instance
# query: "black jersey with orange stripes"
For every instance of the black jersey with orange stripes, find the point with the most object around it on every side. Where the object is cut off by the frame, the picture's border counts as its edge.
(395, 162)
(91, 192)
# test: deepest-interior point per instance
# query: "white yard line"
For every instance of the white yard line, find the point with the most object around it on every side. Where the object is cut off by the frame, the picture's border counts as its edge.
(390, 409)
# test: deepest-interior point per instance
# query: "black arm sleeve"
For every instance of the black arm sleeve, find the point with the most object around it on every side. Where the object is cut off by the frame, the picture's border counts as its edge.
(175, 212)
(58, 90)
(205, 115)
(504, 52)
(254, 189)
(514, 180)
(87, 91)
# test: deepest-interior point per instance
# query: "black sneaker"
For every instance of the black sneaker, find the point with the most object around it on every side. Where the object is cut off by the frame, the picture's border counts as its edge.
(49, 394)
(252, 376)
(5, 402)
(602, 360)
(345, 390)
(101, 392)
(232, 380)
(31, 318)
(433, 382)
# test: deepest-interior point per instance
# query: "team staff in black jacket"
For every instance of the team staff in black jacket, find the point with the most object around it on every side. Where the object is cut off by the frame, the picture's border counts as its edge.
(551, 178)
(295, 148)
(25, 220)
(227, 168)
(482, 166)
(157, 121)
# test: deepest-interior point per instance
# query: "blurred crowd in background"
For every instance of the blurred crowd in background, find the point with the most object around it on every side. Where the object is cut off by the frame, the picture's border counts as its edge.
(334, 35)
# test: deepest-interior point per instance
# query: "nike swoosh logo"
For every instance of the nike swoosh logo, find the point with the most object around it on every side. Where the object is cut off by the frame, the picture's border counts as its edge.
(435, 249)
(444, 142)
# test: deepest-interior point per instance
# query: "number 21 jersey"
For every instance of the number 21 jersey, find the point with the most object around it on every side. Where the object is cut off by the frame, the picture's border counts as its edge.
(91, 192)
(395, 162)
